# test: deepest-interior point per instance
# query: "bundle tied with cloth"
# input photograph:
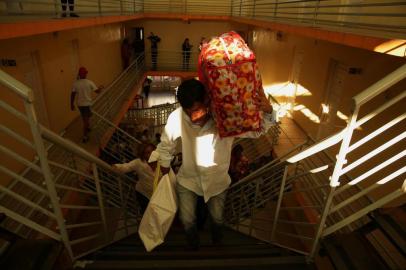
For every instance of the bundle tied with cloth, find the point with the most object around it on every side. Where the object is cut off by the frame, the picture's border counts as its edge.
(228, 68)
(161, 209)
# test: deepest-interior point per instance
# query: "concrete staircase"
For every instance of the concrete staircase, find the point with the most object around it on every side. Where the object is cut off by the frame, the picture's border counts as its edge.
(238, 251)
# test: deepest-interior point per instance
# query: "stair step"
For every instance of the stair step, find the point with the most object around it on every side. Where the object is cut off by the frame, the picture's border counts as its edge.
(208, 252)
(352, 251)
(395, 232)
(288, 262)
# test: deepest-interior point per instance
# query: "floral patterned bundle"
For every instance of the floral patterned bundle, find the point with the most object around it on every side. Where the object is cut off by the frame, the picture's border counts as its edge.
(228, 67)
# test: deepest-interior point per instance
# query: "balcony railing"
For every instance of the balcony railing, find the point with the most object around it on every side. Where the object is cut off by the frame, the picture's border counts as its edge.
(378, 18)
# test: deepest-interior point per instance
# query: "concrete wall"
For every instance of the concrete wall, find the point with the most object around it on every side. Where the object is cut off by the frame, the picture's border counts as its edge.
(49, 64)
(276, 57)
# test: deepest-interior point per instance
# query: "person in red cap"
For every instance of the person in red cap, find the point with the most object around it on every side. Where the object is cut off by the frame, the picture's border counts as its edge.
(82, 89)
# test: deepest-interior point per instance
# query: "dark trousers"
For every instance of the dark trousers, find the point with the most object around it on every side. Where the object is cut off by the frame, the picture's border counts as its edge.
(186, 60)
(154, 58)
(66, 2)
(143, 201)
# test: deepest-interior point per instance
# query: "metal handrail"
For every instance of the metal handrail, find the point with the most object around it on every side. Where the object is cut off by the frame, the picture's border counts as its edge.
(380, 86)
(58, 140)
(18, 87)
(366, 95)
(312, 13)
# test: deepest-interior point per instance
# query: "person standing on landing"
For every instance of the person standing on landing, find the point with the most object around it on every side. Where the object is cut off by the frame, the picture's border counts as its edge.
(82, 89)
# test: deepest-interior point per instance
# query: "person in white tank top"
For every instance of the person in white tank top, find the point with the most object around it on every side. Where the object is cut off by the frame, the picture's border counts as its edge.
(82, 92)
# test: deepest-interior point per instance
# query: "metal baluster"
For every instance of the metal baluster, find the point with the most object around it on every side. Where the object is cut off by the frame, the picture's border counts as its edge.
(100, 200)
(278, 205)
(46, 171)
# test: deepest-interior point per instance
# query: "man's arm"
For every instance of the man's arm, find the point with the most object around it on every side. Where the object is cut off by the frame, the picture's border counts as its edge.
(72, 101)
(99, 89)
(267, 121)
(166, 148)
(125, 167)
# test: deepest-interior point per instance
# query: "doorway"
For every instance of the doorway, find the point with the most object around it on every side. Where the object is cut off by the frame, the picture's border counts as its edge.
(138, 40)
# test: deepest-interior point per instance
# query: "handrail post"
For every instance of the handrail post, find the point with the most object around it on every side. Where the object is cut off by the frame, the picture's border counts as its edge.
(100, 200)
(322, 222)
(316, 10)
(254, 206)
(275, 11)
(253, 12)
(100, 7)
(278, 205)
(123, 208)
(344, 148)
(46, 171)
(240, 7)
(239, 210)
(121, 7)
(56, 7)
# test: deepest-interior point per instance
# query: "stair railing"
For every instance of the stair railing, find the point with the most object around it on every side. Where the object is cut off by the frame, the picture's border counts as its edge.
(113, 90)
(154, 117)
(59, 182)
(367, 165)
(384, 18)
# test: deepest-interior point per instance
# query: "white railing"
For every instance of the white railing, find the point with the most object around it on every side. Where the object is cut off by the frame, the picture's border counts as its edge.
(381, 17)
(51, 196)
(166, 60)
(83, 8)
(154, 117)
(380, 161)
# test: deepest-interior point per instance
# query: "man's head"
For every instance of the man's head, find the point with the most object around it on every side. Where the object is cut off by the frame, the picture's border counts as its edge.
(193, 99)
(146, 150)
(82, 72)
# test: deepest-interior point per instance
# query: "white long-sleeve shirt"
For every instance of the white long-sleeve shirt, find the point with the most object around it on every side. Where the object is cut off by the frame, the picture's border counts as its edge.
(205, 155)
(145, 175)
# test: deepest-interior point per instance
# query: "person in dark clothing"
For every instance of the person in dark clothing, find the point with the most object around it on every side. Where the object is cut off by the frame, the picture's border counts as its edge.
(125, 53)
(146, 87)
(154, 49)
(71, 4)
(186, 48)
(239, 166)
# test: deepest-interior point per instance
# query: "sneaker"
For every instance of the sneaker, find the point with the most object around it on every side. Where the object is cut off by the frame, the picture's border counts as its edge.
(73, 15)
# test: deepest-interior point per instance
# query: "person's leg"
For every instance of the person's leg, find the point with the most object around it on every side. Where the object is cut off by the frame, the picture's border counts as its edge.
(64, 4)
(86, 127)
(216, 210)
(187, 61)
(187, 213)
(201, 213)
(154, 59)
(143, 201)
(71, 8)
(85, 113)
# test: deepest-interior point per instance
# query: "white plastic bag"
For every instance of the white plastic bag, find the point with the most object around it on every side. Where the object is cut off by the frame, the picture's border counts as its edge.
(160, 213)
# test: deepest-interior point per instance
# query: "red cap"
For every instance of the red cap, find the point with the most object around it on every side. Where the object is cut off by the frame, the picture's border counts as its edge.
(82, 71)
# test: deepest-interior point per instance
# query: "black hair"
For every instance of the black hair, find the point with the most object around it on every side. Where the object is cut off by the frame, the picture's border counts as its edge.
(143, 148)
(189, 92)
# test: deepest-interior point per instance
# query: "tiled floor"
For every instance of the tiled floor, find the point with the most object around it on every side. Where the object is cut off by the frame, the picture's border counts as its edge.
(291, 136)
